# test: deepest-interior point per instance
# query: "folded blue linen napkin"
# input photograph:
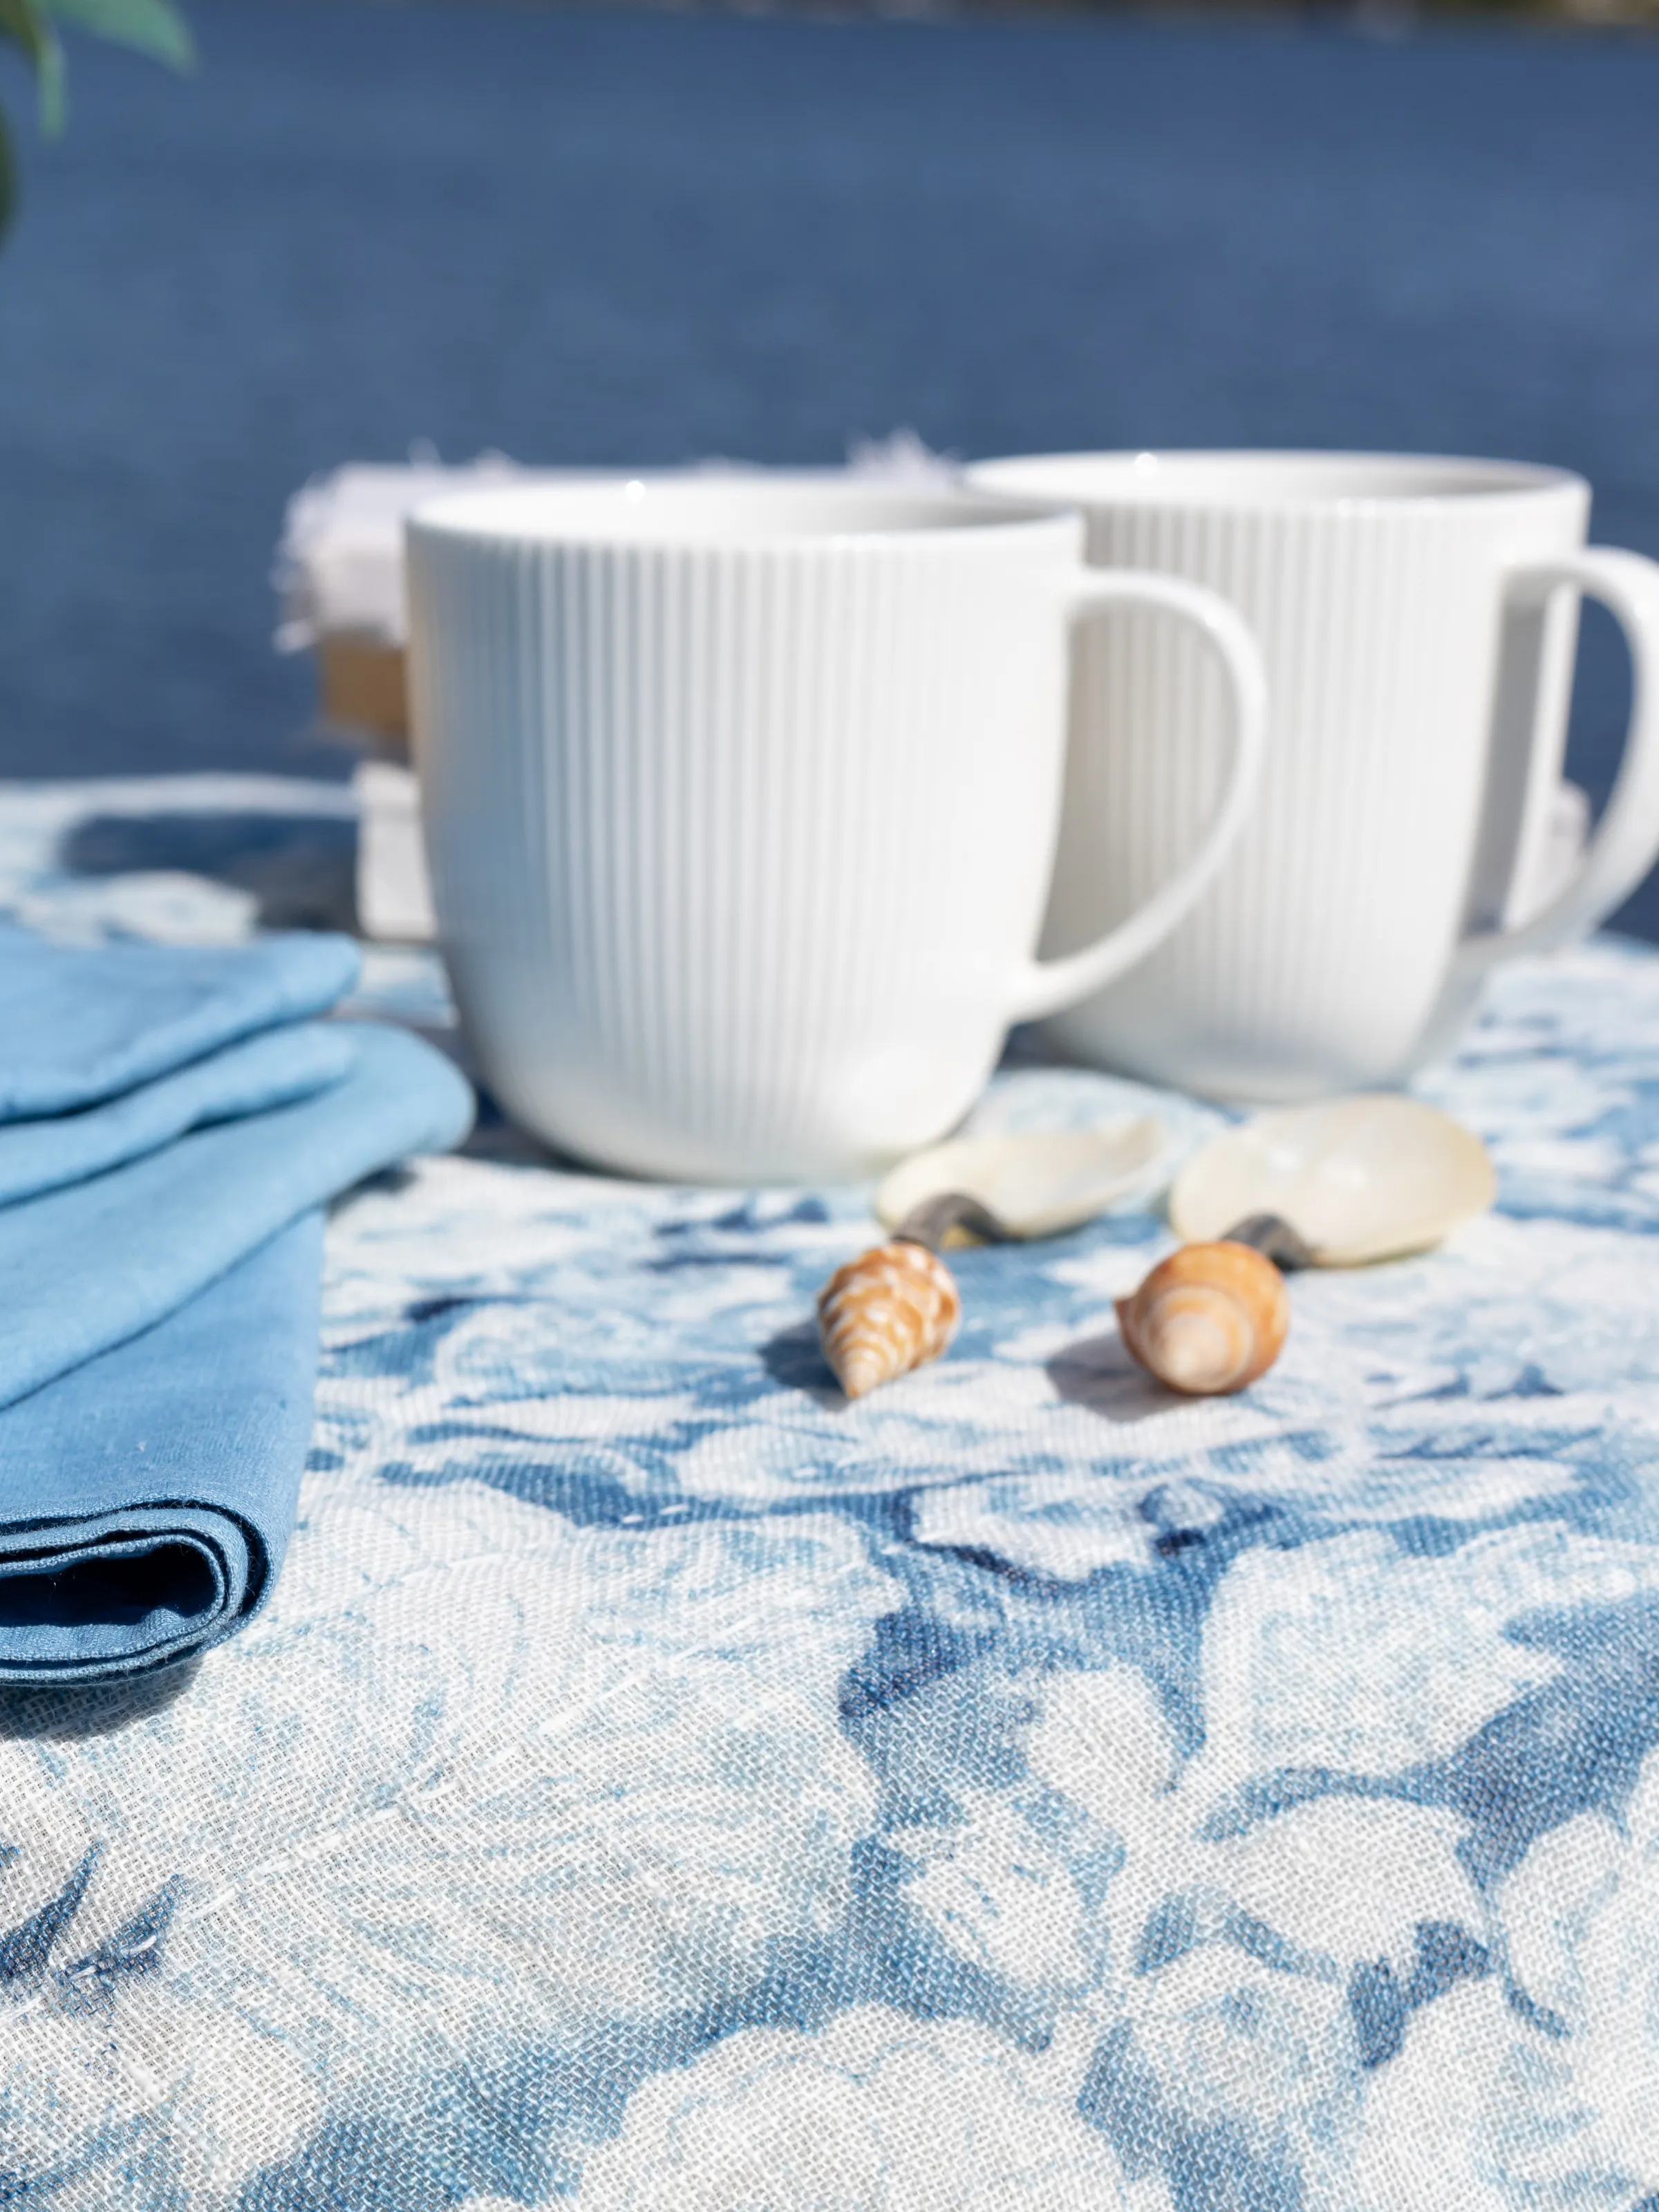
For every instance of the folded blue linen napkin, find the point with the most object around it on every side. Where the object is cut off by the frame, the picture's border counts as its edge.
(162, 1244)
(97, 1261)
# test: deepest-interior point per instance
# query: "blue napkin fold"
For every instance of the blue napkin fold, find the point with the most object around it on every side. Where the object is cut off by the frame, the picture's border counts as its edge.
(147, 1496)
(80, 1025)
(275, 1070)
(160, 1236)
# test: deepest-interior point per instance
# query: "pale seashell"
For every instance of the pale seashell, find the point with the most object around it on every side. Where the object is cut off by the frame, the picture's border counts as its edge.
(1208, 1320)
(1034, 1181)
(892, 1309)
(1363, 1178)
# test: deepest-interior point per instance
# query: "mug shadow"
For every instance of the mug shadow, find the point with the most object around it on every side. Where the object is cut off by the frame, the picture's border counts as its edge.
(73, 1711)
(301, 868)
(495, 1138)
(1097, 1374)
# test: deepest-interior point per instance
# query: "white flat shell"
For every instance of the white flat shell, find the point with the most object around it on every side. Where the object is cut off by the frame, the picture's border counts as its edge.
(1036, 1182)
(1360, 1179)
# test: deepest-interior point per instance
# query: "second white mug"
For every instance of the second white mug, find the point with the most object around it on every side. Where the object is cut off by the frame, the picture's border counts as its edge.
(741, 799)
(1417, 616)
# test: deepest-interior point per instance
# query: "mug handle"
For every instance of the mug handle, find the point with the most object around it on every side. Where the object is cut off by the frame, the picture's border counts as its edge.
(1043, 987)
(1626, 840)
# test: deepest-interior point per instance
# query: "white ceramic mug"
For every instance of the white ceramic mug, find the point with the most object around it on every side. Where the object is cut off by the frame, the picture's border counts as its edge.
(1418, 618)
(741, 797)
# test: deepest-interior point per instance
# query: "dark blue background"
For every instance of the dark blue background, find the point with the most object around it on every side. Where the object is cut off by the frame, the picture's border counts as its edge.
(641, 238)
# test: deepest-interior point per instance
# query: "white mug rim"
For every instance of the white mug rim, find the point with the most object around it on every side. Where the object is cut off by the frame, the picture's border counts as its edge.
(1289, 480)
(681, 512)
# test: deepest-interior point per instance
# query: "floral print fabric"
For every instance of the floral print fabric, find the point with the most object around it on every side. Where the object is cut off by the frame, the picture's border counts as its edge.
(657, 1784)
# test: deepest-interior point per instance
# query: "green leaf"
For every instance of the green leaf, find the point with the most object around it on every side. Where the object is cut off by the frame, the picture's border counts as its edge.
(152, 27)
(22, 21)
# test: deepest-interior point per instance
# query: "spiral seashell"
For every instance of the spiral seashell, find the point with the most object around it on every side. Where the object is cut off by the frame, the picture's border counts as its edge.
(1208, 1320)
(892, 1309)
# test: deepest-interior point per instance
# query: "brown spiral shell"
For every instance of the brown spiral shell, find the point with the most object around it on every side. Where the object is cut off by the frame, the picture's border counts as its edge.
(892, 1309)
(1208, 1320)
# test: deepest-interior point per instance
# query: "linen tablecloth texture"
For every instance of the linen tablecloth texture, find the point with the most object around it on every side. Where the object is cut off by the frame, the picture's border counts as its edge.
(160, 1233)
(656, 1785)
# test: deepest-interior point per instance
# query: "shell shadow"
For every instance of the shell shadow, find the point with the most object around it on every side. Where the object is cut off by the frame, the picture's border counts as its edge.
(794, 1359)
(1097, 1374)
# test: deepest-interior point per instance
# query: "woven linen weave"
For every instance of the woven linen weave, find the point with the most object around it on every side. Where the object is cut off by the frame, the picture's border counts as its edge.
(656, 1785)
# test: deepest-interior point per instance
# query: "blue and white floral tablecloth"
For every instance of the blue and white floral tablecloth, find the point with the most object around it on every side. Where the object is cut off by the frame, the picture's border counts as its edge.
(657, 1786)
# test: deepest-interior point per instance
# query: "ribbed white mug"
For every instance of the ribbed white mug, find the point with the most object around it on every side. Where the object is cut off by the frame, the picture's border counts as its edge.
(741, 797)
(1418, 618)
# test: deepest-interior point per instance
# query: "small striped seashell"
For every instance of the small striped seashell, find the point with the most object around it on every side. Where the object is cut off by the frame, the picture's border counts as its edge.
(1208, 1320)
(894, 1308)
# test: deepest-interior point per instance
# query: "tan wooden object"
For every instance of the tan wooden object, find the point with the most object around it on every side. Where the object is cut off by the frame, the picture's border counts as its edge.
(362, 684)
